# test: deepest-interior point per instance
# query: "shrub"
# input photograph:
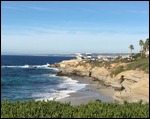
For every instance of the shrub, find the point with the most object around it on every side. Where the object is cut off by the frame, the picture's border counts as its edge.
(52, 109)
(117, 70)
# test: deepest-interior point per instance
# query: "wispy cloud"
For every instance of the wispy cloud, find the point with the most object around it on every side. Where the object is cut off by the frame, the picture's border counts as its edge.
(88, 10)
(23, 7)
(44, 30)
(138, 11)
(40, 8)
(102, 42)
(10, 7)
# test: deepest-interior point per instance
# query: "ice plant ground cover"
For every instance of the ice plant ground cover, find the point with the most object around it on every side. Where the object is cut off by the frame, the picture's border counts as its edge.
(52, 109)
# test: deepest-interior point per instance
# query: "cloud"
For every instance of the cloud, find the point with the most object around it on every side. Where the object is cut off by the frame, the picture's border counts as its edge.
(10, 7)
(24, 7)
(66, 42)
(74, 30)
(89, 10)
(138, 11)
(40, 8)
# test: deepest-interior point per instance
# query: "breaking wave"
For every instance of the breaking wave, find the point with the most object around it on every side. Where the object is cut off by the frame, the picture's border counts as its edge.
(61, 91)
(46, 66)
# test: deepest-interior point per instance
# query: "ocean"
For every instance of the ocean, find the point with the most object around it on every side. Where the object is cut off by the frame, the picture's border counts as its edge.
(29, 78)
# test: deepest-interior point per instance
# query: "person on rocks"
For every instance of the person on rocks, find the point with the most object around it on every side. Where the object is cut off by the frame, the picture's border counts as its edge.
(121, 80)
(90, 72)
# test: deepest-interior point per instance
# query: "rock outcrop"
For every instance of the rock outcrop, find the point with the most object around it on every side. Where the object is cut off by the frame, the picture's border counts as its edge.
(134, 88)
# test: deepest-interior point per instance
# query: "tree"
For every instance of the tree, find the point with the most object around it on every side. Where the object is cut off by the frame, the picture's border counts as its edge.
(132, 48)
(147, 44)
(141, 43)
(146, 47)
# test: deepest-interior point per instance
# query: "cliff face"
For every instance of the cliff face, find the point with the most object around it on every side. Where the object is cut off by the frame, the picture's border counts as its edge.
(134, 88)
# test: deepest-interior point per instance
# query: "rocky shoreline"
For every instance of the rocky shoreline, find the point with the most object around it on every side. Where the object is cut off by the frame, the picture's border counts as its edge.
(135, 86)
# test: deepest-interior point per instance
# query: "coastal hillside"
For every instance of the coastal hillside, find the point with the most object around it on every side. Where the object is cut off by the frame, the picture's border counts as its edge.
(135, 86)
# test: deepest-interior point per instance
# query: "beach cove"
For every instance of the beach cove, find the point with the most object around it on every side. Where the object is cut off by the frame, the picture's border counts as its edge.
(93, 91)
(105, 85)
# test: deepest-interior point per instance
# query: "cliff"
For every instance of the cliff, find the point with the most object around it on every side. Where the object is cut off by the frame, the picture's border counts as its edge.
(134, 87)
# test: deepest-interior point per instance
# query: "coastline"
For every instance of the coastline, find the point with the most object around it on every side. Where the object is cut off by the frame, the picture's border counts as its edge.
(91, 92)
(134, 88)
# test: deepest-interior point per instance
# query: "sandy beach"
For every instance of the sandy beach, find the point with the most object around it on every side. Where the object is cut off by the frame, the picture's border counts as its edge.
(93, 91)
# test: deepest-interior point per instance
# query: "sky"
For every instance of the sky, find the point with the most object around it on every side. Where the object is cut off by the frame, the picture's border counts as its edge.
(62, 27)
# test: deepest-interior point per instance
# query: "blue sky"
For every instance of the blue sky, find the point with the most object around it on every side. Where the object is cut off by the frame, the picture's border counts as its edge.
(69, 27)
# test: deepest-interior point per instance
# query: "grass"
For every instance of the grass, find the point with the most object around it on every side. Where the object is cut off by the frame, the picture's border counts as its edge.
(117, 70)
(141, 64)
(95, 63)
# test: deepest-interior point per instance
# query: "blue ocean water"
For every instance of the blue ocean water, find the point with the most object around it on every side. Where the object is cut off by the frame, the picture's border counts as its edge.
(20, 80)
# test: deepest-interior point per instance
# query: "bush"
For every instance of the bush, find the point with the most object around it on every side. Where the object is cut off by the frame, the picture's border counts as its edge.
(136, 56)
(142, 64)
(118, 70)
(51, 109)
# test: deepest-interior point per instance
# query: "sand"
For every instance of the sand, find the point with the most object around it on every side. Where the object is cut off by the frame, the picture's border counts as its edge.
(93, 91)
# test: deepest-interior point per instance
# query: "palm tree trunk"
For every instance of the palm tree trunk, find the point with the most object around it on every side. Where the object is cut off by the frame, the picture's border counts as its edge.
(131, 53)
(141, 51)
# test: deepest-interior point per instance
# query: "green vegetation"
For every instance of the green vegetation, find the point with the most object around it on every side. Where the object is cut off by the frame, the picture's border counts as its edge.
(146, 44)
(131, 48)
(51, 109)
(137, 56)
(100, 64)
(141, 43)
(117, 70)
(142, 64)
(95, 63)
(144, 47)
(138, 61)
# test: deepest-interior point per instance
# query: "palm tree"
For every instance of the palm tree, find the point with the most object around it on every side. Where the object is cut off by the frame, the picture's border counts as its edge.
(132, 48)
(141, 43)
(147, 44)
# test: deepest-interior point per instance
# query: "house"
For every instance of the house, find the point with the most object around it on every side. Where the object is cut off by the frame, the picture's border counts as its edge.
(79, 56)
(88, 55)
(103, 58)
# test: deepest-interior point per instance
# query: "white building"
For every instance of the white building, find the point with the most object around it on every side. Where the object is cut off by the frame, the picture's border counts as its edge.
(102, 58)
(88, 55)
(78, 56)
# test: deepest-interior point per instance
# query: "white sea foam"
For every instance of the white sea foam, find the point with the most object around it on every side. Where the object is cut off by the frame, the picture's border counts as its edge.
(50, 75)
(50, 94)
(43, 66)
(61, 91)
(24, 66)
(31, 66)
(42, 96)
(53, 75)
(72, 85)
